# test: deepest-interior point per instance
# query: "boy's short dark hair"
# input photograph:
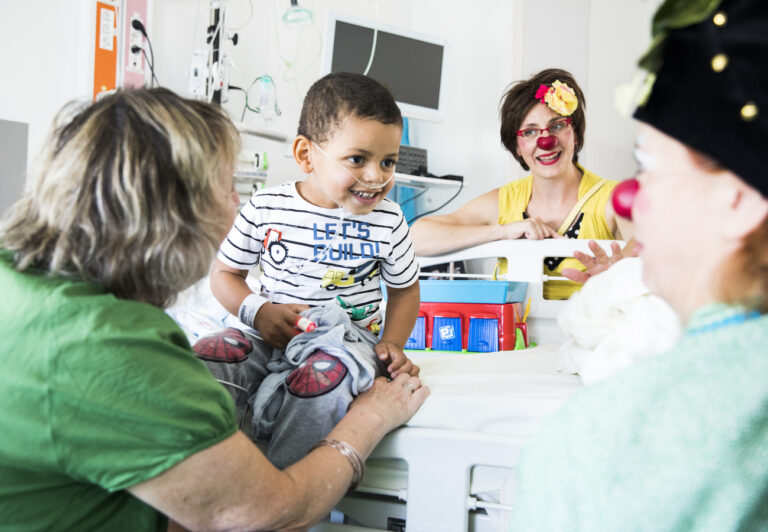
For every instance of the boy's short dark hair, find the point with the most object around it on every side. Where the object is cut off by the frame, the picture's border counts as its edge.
(336, 96)
(520, 99)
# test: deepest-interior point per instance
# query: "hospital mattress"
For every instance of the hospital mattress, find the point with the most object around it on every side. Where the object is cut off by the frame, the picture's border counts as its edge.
(505, 393)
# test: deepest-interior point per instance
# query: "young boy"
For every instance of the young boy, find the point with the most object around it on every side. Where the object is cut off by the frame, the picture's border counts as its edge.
(323, 245)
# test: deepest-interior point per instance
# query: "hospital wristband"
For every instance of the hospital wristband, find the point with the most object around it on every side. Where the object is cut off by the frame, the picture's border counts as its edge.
(351, 454)
(249, 307)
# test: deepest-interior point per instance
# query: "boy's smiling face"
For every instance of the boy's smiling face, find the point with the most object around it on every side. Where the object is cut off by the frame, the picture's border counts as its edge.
(360, 151)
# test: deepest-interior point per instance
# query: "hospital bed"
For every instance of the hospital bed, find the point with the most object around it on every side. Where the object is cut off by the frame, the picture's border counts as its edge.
(452, 467)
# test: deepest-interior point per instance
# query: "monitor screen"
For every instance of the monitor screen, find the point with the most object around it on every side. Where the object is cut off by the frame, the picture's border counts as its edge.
(408, 64)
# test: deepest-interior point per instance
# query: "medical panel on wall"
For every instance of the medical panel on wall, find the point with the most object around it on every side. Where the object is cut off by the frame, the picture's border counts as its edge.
(408, 63)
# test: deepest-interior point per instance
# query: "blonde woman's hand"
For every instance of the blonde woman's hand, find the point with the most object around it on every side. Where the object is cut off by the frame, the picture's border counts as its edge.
(392, 402)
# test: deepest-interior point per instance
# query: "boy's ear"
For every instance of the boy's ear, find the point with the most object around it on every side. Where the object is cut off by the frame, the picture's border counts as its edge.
(301, 148)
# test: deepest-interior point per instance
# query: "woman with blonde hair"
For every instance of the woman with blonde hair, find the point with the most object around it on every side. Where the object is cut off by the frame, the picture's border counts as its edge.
(110, 421)
(678, 441)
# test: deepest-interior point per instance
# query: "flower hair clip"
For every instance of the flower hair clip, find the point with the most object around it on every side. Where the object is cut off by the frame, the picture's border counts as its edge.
(559, 97)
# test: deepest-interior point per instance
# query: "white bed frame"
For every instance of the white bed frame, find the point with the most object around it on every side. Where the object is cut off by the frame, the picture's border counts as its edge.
(440, 462)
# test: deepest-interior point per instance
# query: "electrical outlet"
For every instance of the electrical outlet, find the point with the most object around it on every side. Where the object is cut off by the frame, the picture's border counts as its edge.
(221, 76)
(135, 61)
(198, 74)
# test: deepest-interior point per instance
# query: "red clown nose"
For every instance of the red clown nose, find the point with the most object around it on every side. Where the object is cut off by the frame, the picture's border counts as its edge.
(624, 196)
(546, 143)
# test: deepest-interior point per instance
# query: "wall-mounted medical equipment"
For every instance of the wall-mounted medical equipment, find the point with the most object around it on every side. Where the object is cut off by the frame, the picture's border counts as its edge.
(120, 58)
(209, 67)
(261, 98)
(408, 63)
(250, 174)
(218, 60)
(138, 42)
(297, 15)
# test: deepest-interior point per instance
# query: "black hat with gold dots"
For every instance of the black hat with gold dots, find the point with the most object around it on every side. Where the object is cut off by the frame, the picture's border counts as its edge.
(708, 67)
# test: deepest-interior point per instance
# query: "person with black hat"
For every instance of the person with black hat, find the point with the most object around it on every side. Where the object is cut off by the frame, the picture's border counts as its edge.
(679, 441)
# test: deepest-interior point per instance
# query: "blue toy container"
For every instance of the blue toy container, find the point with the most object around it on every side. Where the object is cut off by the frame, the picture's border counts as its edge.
(418, 338)
(446, 335)
(483, 335)
(460, 291)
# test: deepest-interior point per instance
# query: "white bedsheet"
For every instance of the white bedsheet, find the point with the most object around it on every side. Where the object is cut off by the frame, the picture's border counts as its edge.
(508, 392)
(504, 393)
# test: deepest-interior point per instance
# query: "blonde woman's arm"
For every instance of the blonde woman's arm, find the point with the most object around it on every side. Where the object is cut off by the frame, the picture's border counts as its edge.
(232, 486)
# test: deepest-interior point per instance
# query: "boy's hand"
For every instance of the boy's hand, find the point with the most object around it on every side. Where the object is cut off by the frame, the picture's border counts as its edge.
(396, 361)
(276, 322)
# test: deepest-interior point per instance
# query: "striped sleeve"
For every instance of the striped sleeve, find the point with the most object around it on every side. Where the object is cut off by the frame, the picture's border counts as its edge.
(242, 246)
(400, 269)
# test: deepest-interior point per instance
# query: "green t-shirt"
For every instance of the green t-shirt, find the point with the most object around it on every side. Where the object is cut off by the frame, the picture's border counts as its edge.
(98, 394)
(678, 442)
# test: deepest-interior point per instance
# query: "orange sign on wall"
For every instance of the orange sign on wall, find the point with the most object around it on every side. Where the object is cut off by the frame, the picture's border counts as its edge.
(105, 60)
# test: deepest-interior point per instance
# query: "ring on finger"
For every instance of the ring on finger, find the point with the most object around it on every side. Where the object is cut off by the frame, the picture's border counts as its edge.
(409, 386)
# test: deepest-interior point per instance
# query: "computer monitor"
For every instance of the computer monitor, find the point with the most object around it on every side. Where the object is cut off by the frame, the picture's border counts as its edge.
(407, 63)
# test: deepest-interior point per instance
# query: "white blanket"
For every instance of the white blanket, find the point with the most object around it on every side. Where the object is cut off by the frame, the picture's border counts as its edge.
(507, 392)
(613, 321)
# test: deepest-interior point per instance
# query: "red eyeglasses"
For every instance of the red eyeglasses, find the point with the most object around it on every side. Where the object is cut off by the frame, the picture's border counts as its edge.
(559, 127)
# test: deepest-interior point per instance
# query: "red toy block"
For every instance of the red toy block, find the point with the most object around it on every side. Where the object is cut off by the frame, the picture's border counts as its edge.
(506, 314)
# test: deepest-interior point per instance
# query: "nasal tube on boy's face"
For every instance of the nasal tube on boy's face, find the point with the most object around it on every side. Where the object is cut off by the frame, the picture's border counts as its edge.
(372, 186)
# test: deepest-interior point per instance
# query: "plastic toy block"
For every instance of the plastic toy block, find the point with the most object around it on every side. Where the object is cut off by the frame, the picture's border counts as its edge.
(446, 335)
(418, 335)
(478, 327)
(483, 335)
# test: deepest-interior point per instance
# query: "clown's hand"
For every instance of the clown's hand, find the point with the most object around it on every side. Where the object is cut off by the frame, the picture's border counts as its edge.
(594, 265)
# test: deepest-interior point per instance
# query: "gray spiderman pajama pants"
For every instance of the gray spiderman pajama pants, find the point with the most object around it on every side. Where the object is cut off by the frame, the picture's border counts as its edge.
(288, 400)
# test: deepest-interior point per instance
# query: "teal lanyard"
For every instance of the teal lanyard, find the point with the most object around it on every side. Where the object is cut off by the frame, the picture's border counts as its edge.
(730, 320)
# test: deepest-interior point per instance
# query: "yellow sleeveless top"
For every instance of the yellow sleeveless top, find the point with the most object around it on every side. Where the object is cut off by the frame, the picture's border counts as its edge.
(589, 224)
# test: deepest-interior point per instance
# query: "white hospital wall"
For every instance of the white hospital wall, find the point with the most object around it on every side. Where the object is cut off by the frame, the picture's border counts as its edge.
(619, 33)
(598, 41)
(44, 64)
(480, 62)
(49, 44)
(491, 43)
(482, 40)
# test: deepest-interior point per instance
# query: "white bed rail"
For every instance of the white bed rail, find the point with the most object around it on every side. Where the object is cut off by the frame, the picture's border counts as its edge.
(440, 461)
(525, 260)
(444, 458)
